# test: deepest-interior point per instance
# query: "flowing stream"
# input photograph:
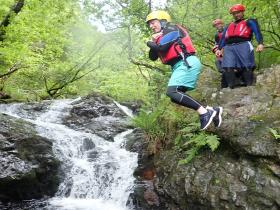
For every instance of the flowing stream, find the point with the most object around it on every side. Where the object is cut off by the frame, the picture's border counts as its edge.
(98, 173)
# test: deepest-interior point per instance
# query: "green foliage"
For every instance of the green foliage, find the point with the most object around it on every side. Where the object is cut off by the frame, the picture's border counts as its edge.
(268, 15)
(173, 125)
(275, 134)
(52, 41)
(37, 39)
(154, 124)
(5, 6)
(117, 85)
(119, 13)
(149, 122)
(160, 123)
(191, 140)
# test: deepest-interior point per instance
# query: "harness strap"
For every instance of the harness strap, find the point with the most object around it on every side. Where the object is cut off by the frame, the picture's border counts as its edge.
(184, 53)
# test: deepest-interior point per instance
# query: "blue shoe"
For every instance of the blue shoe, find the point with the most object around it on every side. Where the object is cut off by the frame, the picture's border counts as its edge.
(206, 119)
(217, 120)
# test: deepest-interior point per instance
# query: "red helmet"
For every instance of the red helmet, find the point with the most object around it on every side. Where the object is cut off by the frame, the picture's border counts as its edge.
(216, 22)
(237, 8)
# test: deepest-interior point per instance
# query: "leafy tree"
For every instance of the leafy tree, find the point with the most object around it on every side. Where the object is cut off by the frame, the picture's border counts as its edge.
(40, 44)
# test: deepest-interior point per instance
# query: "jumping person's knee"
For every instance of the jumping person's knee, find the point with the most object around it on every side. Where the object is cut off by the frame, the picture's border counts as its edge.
(170, 91)
(175, 92)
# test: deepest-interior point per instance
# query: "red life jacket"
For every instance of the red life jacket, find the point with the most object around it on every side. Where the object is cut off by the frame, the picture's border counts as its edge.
(239, 29)
(174, 49)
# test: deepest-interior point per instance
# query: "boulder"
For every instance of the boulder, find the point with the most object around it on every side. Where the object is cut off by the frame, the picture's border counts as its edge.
(99, 115)
(244, 172)
(28, 169)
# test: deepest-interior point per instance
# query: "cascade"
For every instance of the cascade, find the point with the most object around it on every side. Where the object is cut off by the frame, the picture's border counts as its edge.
(98, 173)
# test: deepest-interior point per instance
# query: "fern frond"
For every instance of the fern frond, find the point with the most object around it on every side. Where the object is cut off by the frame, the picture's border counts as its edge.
(213, 142)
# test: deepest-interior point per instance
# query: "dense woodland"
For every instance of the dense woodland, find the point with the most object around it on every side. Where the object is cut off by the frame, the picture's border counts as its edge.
(53, 48)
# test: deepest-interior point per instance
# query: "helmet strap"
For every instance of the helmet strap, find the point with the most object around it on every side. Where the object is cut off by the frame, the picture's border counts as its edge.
(163, 23)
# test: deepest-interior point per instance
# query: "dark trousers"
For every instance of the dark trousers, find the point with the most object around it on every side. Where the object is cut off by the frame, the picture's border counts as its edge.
(218, 63)
(238, 77)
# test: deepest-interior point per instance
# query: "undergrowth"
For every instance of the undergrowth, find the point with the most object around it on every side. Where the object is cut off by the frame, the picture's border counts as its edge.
(177, 126)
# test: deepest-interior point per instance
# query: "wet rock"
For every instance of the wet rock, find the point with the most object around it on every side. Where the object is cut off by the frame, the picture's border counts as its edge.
(243, 173)
(144, 196)
(92, 155)
(151, 197)
(28, 169)
(88, 144)
(98, 115)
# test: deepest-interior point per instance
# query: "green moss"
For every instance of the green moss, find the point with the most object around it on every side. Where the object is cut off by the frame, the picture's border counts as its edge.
(267, 117)
(257, 118)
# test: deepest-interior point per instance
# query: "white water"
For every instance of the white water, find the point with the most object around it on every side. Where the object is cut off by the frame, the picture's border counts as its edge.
(126, 110)
(98, 173)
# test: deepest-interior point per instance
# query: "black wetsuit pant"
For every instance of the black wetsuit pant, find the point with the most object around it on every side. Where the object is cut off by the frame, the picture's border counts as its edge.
(244, 75)
(218, 63)
(177, 95)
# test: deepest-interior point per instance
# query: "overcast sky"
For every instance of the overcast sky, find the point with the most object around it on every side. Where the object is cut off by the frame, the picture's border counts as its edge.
(158, 3)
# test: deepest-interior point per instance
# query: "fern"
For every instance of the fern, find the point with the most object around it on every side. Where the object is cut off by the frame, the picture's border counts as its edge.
(190, 154)
(148, 121)
(193, 141)
(274, 133)
(213, 142)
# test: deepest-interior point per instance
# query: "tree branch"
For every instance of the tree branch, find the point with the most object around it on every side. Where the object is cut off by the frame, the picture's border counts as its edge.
(147, 66)
(13, 69)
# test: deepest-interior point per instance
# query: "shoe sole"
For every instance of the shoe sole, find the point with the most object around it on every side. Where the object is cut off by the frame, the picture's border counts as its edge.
(220, 116)
(211, 119)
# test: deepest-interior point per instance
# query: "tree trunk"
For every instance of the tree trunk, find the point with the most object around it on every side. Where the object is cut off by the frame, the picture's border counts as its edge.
(16, 8)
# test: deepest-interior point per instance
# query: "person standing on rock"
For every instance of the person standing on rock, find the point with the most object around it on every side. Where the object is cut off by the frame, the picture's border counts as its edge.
(172, 44)
(238, 53)
(219, 25)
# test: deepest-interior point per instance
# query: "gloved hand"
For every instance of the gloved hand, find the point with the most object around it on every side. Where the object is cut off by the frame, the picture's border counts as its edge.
(152, 45)
(215, 48)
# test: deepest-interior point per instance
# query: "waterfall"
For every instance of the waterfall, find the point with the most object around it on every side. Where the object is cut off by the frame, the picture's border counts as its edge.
(98, 173)
(126, 110)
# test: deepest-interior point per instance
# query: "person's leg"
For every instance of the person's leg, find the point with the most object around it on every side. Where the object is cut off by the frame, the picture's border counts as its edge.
(247, 77)
(245, 54)
(230, 78)
(184, 78)
(224, 83)
(229, 66)
(218, 63)
(177, 95)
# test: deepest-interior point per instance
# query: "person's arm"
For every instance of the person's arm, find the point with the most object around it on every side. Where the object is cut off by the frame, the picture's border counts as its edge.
(165, 42)
(222, 43)
(170, 35)
(254, 26)
(215, 47)
(153, 55)
(216, 39)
